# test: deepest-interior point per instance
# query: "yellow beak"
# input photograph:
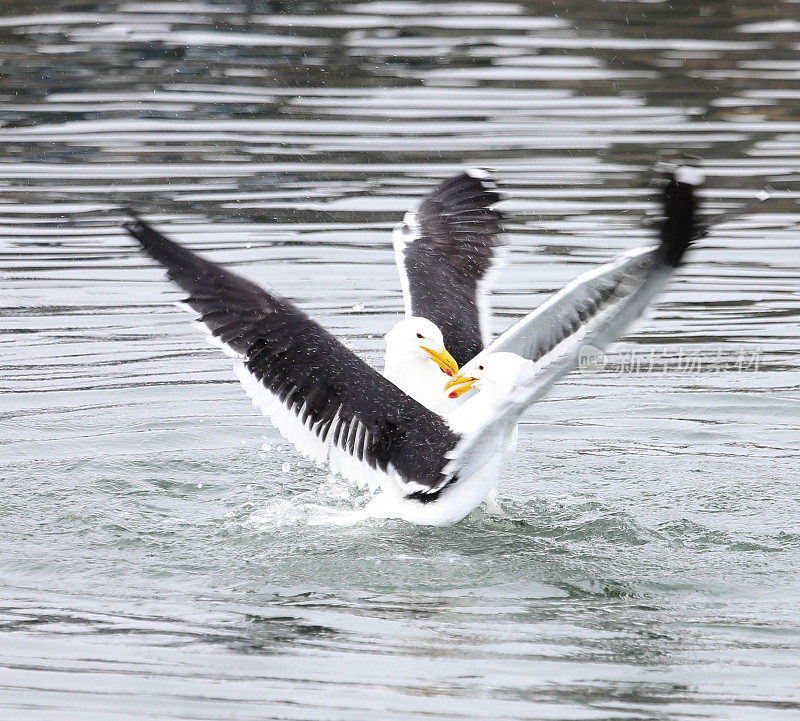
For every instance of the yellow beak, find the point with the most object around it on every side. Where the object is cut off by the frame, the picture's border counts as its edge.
(443, 359)
(459, 385)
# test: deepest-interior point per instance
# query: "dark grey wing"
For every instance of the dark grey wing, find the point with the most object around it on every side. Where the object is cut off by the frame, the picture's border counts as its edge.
(444, 249)
(320, 395)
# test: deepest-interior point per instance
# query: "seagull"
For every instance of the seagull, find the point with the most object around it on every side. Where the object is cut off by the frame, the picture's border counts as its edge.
(429, 469)
(553, 340)
(445, 249)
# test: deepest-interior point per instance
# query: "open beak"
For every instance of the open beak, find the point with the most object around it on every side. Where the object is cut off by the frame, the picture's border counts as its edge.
(443, 359)
(459, 385)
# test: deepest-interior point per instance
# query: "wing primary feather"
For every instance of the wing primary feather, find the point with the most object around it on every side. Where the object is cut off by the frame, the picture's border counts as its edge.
(444, 253)
(317, 392)
(626, 286)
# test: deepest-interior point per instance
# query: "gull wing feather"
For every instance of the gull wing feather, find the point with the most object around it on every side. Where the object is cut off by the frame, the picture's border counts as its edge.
(570, 309)
(445, 250)
(322, 397)
(590, 313)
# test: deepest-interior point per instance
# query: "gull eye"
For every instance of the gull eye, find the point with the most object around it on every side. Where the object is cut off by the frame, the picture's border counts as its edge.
(480, 368)
(419, 335)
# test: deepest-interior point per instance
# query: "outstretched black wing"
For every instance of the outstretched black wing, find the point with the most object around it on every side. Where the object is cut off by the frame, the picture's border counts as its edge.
(320, 395)
(445, 248)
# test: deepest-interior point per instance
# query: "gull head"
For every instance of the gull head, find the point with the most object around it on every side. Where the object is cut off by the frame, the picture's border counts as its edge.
(416, 340)
(494, 375)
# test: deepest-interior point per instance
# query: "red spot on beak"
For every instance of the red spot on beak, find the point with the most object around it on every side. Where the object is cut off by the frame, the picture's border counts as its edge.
(453, 394)
(449, 372)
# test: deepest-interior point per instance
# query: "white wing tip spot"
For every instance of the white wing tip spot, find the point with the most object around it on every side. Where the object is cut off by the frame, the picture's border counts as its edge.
(689, 175)
(484, 176)
(478, 173)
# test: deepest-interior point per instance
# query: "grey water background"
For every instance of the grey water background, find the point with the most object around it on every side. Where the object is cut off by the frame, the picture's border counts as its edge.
(164, 554)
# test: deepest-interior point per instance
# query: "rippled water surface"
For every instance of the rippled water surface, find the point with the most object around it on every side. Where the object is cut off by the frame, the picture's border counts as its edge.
(166, 555)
